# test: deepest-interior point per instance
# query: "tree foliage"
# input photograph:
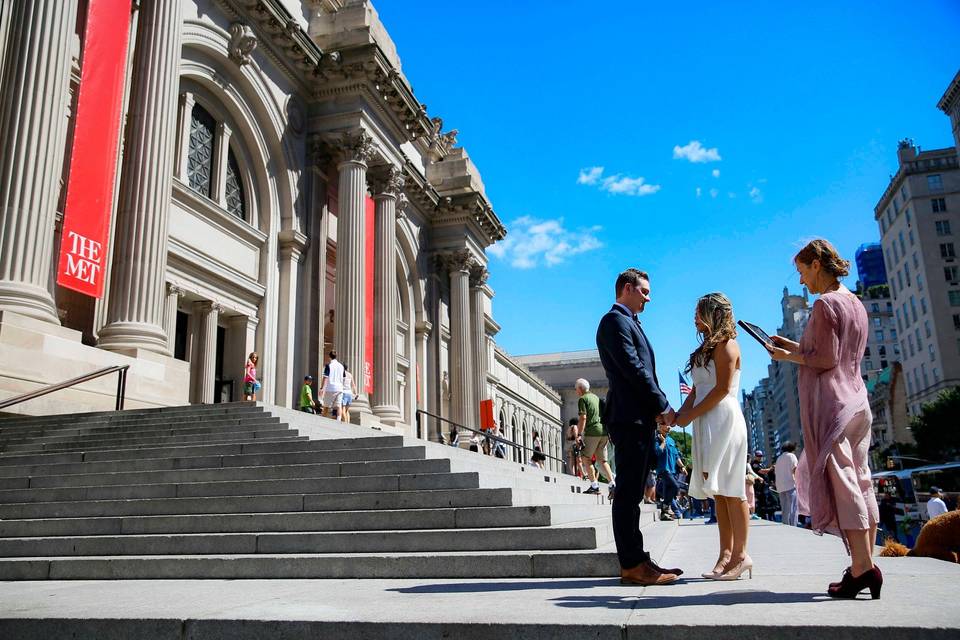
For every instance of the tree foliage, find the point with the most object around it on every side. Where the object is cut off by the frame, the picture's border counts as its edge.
(937, 428)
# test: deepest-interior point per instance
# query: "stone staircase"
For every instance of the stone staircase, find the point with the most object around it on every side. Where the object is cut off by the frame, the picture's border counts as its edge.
(246, 490)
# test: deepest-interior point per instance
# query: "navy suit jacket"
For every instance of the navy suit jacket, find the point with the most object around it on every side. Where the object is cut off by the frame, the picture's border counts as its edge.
(635, 396)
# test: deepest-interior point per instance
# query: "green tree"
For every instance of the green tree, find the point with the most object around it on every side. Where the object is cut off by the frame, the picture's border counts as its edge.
(684, 443)
(936, 428)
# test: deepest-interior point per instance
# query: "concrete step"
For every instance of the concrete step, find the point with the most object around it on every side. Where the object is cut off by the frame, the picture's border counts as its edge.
(180, 451)
(187, 426)
(213, 461)
(125, 442)
(134, 414)
(391, 541)
(394, 482)
(271, 503)
(370, 520)
(220, 474)
(473, 564)
(63, 426)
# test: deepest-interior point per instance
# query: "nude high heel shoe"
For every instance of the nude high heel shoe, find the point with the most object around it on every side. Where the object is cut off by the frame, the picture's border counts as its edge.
(716, 572)
(734, 573)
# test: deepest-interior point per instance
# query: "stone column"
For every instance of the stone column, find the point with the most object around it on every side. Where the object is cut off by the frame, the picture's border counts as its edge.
(386, 397)
(33, 134)
(463, 407)
(136, 300)
(221, 152)
(478, 331)
(292, 244)
(423, 395)
(205, 350)
(185, 104)
(350, 318)
(170, 316)
(241, 340)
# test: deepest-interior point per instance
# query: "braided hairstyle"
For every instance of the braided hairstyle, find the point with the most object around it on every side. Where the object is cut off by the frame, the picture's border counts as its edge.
(716, 312)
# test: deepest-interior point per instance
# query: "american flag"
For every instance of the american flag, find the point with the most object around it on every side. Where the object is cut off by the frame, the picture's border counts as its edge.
(685, 389)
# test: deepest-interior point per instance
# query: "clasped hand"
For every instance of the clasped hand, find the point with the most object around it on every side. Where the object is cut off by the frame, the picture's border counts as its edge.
(783, 348)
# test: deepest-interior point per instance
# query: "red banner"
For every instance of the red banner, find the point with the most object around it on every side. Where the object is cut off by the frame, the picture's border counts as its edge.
(370, 231)
(96, 140)
(486, 415)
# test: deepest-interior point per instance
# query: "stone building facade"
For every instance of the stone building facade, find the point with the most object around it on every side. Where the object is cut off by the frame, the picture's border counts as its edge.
(281, 190)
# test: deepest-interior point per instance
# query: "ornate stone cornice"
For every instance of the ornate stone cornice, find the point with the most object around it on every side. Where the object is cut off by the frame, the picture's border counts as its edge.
(470, 208)
(402, 204)
(242, 43)
(452, 261)
(386, 181)
(440, 143)
(355, 145)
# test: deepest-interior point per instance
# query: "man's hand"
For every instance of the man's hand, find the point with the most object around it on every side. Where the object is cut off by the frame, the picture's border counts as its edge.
(668, 418)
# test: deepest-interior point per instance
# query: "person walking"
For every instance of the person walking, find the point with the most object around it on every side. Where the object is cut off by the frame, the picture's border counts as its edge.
(307, 403)
(719, 433)
(786, 473)
(635, 405)
(250, 383)
(667, 457)
(592, 434)
(833, 479)
(935, 505)
(538, 458)
(331, 386)
(349, 393)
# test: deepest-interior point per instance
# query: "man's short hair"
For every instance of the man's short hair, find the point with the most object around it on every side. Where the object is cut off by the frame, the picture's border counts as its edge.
(582, 384)
(573, 422)
(332, 354)
(632, 276)
(788, 447)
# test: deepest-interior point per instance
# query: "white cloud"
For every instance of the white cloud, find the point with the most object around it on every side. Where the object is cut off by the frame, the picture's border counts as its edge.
(628, 186)
(531, 242)
(617, 184)
(590, 175)
(714, 193)
(699, 191)
(731, 195)
(695, 152)
(756, 195)
(715, 173)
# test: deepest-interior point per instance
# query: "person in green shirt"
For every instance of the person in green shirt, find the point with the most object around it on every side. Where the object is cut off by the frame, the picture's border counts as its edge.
(307, 403)
(591, 430)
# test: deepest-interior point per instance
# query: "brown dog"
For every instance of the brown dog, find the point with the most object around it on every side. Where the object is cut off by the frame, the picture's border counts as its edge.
(939, 538)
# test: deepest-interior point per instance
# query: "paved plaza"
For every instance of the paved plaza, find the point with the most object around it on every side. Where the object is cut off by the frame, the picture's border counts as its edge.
(785, 599)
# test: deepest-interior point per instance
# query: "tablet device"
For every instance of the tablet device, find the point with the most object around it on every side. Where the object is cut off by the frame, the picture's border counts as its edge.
(756, 333)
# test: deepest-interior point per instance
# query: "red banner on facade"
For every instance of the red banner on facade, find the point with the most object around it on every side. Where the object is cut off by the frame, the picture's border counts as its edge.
(486, 415)
(96, 139)
(370, 231)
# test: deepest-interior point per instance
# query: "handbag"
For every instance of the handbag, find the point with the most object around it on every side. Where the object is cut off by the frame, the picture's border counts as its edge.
(256, 385)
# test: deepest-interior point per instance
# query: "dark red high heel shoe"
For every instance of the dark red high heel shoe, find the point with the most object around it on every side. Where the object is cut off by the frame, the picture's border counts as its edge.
(850, 587)
(834, 585)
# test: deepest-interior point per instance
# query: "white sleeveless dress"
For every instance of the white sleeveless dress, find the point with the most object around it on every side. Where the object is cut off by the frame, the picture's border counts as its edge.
(719, 441)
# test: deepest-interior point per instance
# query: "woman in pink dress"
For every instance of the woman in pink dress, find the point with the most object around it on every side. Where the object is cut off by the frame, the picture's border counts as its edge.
(833, 478)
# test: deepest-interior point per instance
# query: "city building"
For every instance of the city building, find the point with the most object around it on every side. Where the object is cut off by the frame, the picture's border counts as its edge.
(888, 404)
(870, 268)
(784, 396)
(280, 189)
(882, 340)
(949, 103)
(758, 411)
(917, 216)
(561, 371)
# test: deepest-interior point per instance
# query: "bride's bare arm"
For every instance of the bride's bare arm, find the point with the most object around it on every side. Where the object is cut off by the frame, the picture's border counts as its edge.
(725, 358)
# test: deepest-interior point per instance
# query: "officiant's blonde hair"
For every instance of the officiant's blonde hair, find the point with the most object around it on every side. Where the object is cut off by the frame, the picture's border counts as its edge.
(716, 312)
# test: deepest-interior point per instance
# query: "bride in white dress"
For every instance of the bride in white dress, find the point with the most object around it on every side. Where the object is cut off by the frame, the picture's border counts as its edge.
(719, 432)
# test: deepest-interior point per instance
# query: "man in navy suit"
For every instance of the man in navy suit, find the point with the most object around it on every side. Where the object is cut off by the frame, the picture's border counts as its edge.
(635, 406)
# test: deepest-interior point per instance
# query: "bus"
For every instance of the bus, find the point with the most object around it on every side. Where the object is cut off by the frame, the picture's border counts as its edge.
(910, 489)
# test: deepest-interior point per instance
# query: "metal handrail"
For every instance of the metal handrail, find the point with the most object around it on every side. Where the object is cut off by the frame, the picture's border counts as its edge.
(485, 435)
(121, 386)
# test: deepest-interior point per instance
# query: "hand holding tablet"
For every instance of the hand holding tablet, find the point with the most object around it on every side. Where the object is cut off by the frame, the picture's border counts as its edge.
(757, 334)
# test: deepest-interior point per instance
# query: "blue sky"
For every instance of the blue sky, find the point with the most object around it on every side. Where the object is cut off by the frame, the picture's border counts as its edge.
(795, 112)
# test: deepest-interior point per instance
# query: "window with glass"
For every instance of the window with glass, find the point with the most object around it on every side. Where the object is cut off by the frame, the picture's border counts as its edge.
(923, 305)
(906, 272)
(913, 309)
(875, 307)
(900, 279)
(950, 273)
(910, 344)
(954, 297)
(933, 355)
(200, 152)
(947, 250)
(903, 246)
(916, 260)
(935, 183)
(882, 351)
(909, 218)
(942, 227)
(234, 188)
(878, 335)
(868, 364)
(893, 334)
(919, 342)
(899, 321)
(939, 205)
(920, 282)
(926, 328)
(877, 323)
(926, 380)
(936, 375)
(896, 349)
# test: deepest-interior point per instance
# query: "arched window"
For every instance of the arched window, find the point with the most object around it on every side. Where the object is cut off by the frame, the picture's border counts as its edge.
(234, 188)
(200, 153)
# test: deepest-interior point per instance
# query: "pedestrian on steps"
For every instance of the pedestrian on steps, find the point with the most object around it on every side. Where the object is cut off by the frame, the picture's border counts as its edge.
(250, 383)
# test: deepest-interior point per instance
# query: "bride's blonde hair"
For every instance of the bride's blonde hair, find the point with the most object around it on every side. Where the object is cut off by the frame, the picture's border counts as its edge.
(716, 312)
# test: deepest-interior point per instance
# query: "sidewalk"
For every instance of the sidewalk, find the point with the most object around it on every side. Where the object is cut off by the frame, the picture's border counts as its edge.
(783, 600)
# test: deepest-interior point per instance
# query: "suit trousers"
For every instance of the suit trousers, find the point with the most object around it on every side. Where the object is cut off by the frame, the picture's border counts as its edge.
(634, 453)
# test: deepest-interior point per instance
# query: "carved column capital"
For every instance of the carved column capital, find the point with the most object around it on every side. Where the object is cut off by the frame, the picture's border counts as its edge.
(459, 260)
(386, 182)
(175, 290)
(355, 146)
(478, 275)
(242, 43)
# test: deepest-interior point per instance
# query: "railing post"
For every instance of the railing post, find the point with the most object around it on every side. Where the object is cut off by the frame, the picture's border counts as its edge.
(118, 404)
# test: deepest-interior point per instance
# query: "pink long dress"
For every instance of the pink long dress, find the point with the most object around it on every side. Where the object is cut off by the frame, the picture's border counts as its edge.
(834, 486)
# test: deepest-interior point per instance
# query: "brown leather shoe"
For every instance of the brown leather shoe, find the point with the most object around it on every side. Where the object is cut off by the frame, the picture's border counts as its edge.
(645, 575)
(676, 570)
